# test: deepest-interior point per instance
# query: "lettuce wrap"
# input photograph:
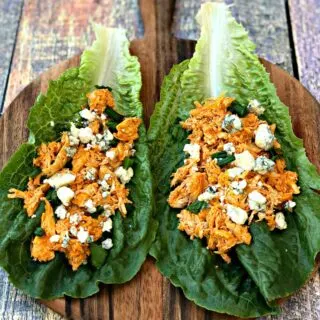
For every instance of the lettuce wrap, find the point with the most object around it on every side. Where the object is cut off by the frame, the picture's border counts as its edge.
(275, 264)
(106, 63)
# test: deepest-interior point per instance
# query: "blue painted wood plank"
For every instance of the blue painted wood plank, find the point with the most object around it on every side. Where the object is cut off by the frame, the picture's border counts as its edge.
(10, 12)
(305, 21)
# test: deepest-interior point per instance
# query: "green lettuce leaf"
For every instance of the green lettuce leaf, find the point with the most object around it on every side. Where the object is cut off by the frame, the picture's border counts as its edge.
(203, 277)
(278, 262)
(132, 236)
(108, 62)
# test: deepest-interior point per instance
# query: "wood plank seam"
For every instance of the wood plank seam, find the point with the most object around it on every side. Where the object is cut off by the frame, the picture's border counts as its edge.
(11, 59)
(291, 42)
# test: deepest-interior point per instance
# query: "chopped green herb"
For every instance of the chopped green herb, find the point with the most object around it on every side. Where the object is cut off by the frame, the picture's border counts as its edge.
(113, 142)
(98, 255)
(127, 163)
(115, 116)
(39, 232)
(197, 206)
(224, 161)
(275, 154)
(238, 109)
(220, 154)
(112, 125)
(98, 212)
(103, 87)
(53, 198)
(223, 158)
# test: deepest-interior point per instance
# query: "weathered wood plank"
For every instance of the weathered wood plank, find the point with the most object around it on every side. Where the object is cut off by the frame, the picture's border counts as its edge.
(16, 306)
(264, 19)
(54, 31)
(305, 24)
(10, 12)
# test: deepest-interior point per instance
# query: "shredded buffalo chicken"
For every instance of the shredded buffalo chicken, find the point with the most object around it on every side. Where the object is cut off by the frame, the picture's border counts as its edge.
(234, 174)
(87, 172)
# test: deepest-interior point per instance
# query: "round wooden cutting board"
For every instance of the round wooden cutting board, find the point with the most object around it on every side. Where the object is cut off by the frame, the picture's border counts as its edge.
(149, 295)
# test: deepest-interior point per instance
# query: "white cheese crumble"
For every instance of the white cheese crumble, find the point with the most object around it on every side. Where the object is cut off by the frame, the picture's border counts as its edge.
(61, 212)
(257, 201)
(90, 206)
(255, 107)
(104, 185)
(105, 194)
(73, 141)
(245, 160)
(111, 154)
(234, 172)
(280, 220)
(73, 231)
(231, 123)
(194, 169)
(52, 123)
(107, 244)
(82, 235)
(229, 148)
(108, 136)
(107, 225)
(238, 186)
(208, 194)
(107, 176)
(55, 238)
(103, 141)
(193, 149)
(103, 117)
(264, 137)
(90, 174)
(74, 219)
(74, 131)
(236, 214)
(86, 135)
(88, 115)
(263, 165)
(107, 211)
(71, 151)
(65, 195)
(124, 175)
(60, 179)
(289, 205)
(65, 241)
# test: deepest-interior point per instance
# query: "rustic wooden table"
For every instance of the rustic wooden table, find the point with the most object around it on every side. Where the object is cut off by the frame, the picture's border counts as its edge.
(37, 34)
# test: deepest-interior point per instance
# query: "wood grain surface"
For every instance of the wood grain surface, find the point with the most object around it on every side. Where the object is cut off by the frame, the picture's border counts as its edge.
(10, 13)
(305, 23)
(149, 295)
(49, 32)
(52, 31)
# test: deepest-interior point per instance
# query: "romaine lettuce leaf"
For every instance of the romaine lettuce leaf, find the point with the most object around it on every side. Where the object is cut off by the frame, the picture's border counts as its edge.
(278, 262)
(132, 236)
(203, 277)
(108, 62)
